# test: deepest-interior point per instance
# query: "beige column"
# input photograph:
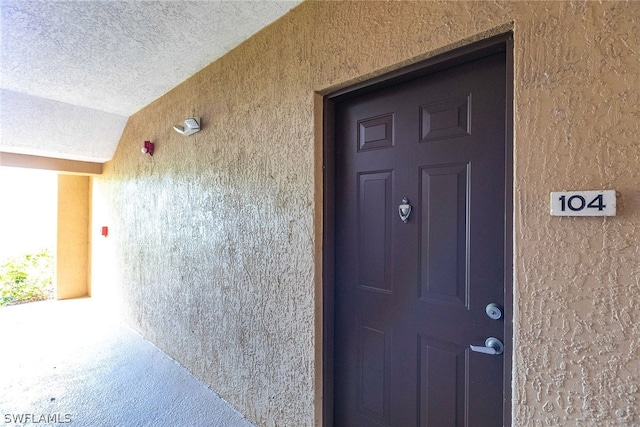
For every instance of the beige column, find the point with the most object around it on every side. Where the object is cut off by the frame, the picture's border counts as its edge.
(73, 236)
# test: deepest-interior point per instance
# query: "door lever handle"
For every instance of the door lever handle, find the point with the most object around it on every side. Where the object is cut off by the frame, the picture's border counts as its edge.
(493, 346)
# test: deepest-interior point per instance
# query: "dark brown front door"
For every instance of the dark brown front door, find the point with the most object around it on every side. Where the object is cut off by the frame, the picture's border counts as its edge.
(410, 297)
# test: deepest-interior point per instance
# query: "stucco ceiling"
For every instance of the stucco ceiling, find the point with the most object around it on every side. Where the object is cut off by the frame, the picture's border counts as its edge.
(72, 72)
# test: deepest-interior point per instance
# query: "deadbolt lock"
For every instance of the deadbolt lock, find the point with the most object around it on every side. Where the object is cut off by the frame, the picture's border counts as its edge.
(494, 311)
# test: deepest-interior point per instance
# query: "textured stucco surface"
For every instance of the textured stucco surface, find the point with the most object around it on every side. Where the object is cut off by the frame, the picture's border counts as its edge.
(36, 126)
(213, 241)
(72, 72)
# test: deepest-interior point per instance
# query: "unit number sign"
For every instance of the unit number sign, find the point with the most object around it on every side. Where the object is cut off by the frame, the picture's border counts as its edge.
(583, 203)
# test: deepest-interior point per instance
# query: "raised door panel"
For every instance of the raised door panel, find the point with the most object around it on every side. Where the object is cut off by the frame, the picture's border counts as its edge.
(374, 231)
(444, 234)
(442, 393)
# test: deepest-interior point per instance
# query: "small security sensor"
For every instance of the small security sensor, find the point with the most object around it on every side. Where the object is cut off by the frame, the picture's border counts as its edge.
(191, 126)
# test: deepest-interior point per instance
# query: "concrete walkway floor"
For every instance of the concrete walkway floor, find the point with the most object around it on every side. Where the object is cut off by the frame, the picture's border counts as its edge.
(66, 363)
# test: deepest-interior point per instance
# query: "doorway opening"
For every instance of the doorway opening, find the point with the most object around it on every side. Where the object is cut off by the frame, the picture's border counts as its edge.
(417, 244)
(28, 235)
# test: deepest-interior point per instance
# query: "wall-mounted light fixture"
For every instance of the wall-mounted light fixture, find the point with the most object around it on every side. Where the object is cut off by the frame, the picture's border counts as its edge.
(190, 127)
(148, 148)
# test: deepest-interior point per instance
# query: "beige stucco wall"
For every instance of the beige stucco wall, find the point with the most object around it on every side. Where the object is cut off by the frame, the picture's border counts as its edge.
(73, 245)
(214, 240)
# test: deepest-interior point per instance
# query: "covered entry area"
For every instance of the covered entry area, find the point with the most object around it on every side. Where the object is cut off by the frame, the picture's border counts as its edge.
(216, 241)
